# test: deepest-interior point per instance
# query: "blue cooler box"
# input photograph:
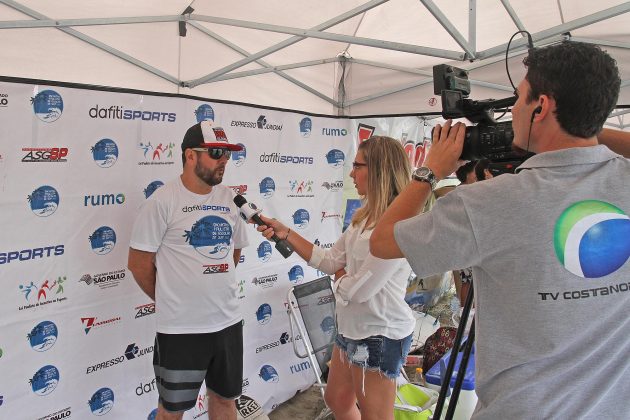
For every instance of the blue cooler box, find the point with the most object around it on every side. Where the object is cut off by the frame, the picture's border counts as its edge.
(434, 375)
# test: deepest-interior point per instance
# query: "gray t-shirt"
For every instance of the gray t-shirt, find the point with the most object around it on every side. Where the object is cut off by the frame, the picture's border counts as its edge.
(549, 250)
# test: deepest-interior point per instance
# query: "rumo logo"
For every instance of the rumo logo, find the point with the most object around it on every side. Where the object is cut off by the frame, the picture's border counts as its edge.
(338, 132)
(103, 199)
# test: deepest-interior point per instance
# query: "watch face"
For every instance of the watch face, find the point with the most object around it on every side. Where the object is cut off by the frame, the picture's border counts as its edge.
(422, 171)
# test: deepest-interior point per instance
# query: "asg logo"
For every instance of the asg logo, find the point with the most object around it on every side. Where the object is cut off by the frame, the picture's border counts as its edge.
(333, 186)
(162, 154)
(306, 126)
(263, 314)
(264, 251)
(102, 402)
(335, 158)
(267, 187)
(210, 236)
(103, 199)
(45, 380)
(44, 201)
(301, 218)
(204, 113)
(269, 374)
(591, 239)
(103, 240)
(43, 336)
(47, 105)
(336, 132)
(239, 189)
(216, 268)
(150, 189)
(105, 153)
(238, 157)
(144, 310)
(45, 154)
(296, 274)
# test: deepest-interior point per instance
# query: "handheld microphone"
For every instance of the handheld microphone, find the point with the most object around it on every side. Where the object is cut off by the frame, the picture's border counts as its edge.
(249, 211)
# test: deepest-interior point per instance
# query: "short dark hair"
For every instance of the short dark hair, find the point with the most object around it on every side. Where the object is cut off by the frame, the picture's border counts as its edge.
(480, 168)
(463, 171)
(583, 80)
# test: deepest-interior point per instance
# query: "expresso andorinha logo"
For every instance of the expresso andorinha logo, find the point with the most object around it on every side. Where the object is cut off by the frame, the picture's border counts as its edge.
(261, 123)
(591, 238)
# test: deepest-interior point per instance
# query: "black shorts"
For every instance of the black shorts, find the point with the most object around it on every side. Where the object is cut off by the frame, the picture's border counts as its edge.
(183, 361)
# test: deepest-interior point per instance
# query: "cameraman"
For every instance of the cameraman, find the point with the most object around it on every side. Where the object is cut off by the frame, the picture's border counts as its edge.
(548, 246)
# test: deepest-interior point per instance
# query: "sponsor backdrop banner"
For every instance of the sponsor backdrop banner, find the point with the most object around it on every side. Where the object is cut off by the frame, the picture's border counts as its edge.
(75, 165)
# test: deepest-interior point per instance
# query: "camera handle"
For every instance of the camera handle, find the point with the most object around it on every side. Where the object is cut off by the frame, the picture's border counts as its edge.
(446, 378)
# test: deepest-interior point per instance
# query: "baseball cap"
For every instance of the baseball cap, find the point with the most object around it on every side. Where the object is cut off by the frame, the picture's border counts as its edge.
(203, 134)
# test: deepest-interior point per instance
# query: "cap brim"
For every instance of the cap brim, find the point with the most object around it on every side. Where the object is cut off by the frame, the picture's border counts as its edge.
(229, 146)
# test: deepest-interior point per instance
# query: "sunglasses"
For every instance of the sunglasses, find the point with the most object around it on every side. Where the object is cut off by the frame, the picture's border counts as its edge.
(215, 153)
(357, 165)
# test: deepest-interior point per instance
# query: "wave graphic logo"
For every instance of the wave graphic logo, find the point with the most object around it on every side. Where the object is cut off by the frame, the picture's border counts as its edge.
(211, 236)
(591, 238)
(44, 201)
(105, 153)
(47, 105)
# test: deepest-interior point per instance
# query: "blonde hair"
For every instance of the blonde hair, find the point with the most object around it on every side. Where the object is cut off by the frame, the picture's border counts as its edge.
(389, 172)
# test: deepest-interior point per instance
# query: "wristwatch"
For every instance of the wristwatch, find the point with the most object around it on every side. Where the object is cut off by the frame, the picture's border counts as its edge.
(424, 174)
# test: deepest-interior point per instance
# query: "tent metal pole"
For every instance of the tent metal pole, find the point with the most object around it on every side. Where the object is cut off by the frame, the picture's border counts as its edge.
(446, 24)
(472, 24)
(614, 44)
(61, 23)
(517, 21)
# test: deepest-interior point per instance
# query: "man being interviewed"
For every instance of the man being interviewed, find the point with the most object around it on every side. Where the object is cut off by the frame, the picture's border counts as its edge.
(185, 245)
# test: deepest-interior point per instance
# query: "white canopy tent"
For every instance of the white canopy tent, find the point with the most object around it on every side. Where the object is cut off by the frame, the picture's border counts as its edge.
(348, 57)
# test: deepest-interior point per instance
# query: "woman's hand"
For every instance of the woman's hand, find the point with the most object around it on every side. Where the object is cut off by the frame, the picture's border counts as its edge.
(272, 226)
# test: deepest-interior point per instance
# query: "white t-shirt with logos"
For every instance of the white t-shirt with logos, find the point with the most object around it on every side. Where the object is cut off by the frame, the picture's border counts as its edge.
(194, 237)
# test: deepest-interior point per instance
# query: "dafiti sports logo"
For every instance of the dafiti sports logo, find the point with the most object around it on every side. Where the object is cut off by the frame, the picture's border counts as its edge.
(102, 401)
(269, 374)
(267, 187)
(43, 336)
(48, 292)
(263, 314)
(278, 158)
(211, 237)
(150, 189)
(204, 113)
(306, 126)
(301, 218)
(591, 238)
(47, 105)
(103, 240)
(44, 201)
(105, 153)
(301, 188)
(45, 154)
(335, 158)
(239, 157)
(117, 112)
(160, 154)
(45, 380)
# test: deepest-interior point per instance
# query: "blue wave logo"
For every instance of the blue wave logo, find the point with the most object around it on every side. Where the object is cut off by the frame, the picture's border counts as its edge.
(150, 189)
(103, 240)
(43, 336)
(296, 274)
(47, 105)
(306, 126)
(335, 158)
(105, 153)
(269, 374)
(44, 201)
(264, 251)
(328, 325)
(211, 236)
(263, 314)
(152, 415)
(301, 218)
(238, 157)
(102, 401)
(204, 113)
(45, 380)
(267, 187)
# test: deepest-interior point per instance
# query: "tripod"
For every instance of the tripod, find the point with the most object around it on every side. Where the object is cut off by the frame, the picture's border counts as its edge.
(446, 380)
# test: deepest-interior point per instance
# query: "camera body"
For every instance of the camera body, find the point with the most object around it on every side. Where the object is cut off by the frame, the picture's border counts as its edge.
(488, 139)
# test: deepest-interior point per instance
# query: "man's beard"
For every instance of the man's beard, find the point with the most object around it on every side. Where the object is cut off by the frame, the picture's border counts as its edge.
(209, 176)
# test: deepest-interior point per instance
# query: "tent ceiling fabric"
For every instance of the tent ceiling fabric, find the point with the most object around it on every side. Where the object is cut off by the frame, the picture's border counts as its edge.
(287, 54)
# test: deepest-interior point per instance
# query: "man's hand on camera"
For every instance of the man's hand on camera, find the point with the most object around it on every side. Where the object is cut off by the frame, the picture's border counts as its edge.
(446, 149)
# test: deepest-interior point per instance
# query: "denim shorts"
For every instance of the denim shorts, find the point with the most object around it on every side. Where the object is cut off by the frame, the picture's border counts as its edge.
(376, 353)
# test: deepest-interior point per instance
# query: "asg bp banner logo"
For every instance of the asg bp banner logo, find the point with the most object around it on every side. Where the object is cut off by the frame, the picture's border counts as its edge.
(47, 105)
(45, 380)
(44, 201)
(102, 401)
(591, 238)
(105, 153)
(103, 240)
(43, 336)
(211, 237)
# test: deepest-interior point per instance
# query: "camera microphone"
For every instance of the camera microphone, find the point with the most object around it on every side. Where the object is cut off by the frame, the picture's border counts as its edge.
(249, 211)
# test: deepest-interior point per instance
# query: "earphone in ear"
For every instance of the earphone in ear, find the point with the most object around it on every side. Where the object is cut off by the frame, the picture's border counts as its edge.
(536, 110)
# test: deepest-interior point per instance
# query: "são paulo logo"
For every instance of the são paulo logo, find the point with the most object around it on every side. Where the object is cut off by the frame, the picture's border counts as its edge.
(103, 240)
(204, 113)
(264, 251)
(263, 314)
(45, 380)
(150, 189)
(306, 126)
(211, 237)
(301, 218)
(238, 157)
(267, 187)
(44, 201)
(296, 274)
(47, 105)
(269, 374)
(591, 238)
(43, 336)
(102, 401)
(105, 153)
(335, 158)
